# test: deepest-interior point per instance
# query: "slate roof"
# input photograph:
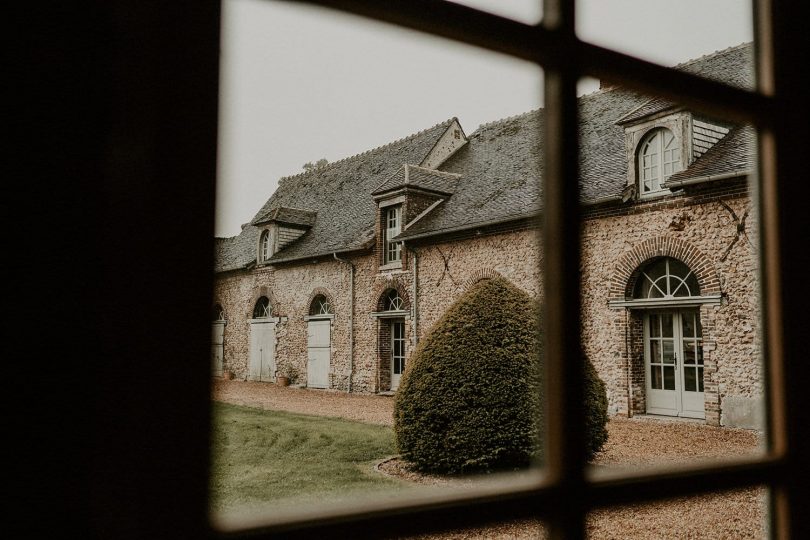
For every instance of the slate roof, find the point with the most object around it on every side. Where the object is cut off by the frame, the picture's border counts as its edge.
(500, 171)
(419, 177)
(340, 194)
(653, 106)
(734, 154)
(293, 216)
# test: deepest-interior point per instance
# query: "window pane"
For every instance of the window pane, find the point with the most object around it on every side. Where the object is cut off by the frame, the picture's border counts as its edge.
(666, 324)
(669, 378)
(690, 384)
(669, 33)
(657, 381)
(327, 104)
(655, 329)
(729, 514)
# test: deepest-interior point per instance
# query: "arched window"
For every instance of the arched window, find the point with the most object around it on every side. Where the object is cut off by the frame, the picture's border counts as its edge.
(393, 301)
(218, 314)
(666, 278)
(659, 157)
(262, 308)
(320, 306)
(264, 246)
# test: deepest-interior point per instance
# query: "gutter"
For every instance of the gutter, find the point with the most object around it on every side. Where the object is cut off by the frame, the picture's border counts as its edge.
(351, 319)
(415, 292)
(705, 178)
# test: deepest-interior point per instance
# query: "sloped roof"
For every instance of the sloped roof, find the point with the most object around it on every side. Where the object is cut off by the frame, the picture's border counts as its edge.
(500, 171)
(501, 166)
(653, 106)
(340, 194)
(293, 216)
(419, 177)
(735, 153)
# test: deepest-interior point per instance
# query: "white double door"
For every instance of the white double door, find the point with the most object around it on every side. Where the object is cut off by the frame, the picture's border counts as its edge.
(262, 359)
(319, 350)
(673, 353)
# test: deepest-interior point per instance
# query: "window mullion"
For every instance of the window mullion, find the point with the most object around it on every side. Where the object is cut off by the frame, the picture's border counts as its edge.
(563, 359)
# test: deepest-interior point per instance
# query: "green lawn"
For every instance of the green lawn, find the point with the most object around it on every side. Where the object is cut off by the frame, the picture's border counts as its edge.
(264, 457)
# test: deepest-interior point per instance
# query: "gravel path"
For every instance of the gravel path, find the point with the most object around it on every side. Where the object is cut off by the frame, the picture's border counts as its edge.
(631, 442)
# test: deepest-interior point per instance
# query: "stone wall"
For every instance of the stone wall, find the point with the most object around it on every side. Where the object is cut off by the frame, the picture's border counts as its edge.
(702, 225)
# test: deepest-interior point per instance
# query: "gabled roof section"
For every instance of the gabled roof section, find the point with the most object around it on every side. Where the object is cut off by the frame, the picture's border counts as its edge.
(340, 194)
(652, 107)
(412, 176)
(288, 216)
(734, 155)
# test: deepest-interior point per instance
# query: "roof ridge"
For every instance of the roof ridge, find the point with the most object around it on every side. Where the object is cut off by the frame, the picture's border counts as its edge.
(355, 156)
(505, 119)
(691, 61)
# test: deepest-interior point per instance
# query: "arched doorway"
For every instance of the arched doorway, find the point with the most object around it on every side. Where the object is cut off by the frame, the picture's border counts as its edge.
(392, 309)
(672, 338)
(261, 360)
(319, 341)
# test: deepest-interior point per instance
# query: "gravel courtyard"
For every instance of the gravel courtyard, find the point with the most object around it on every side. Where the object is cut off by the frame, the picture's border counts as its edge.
(632, 442)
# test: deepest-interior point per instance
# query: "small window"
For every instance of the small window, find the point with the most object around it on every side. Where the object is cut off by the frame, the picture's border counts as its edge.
(393, 301)
(218, 314)
(320, 306)
(264, 247)
(393, 226)
(262, 309)
(666, 278)
(659, 157)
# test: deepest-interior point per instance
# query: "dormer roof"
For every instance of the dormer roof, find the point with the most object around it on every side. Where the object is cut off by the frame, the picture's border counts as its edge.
(420, 178)
(288, 216)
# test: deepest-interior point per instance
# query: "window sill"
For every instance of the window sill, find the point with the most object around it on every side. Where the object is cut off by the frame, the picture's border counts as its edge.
(390, 266)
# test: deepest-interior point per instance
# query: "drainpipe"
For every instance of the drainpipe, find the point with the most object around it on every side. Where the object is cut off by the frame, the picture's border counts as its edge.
(351, 318)
(629, 362)
(415, 303)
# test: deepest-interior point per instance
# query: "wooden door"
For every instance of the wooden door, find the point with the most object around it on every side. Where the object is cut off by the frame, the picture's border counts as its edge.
(319, 349)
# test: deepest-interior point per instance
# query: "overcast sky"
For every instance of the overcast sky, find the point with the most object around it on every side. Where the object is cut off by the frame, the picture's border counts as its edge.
(299, 83)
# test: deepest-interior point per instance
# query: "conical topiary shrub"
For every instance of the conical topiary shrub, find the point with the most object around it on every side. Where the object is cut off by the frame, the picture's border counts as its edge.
(470, 397)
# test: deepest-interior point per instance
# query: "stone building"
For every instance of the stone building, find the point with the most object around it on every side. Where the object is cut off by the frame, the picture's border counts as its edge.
(347, 265)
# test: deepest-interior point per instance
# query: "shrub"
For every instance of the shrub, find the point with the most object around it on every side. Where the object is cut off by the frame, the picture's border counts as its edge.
(470, 397)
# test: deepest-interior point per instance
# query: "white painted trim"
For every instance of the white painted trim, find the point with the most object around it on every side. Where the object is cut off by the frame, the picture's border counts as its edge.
(318, 317)
(686, 301)
(399, 314)
(390, 202)
(274, 320)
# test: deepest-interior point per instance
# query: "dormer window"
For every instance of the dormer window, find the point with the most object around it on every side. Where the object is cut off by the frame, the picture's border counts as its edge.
(393, 226)
(659, 157)
(265, 246)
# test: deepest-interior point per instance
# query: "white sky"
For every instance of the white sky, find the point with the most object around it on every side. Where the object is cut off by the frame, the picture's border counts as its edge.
(299, 83)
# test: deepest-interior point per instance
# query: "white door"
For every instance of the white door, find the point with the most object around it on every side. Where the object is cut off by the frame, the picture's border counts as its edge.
(397, 351)
(673, 355)
(319, 347)
(217, 345)
(262, 361)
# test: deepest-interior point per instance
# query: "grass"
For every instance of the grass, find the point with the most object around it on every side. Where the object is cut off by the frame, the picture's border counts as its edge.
(263, 456)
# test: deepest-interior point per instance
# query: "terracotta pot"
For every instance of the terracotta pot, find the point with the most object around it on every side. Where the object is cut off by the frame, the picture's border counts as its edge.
(283, 381)
(228, 375)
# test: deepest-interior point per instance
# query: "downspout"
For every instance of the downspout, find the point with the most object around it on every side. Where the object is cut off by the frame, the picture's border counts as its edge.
(414, 293)
(351, 319)
(629, 362)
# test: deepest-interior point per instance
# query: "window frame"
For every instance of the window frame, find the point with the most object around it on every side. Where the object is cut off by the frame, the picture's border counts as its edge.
(658, 180)
(394, 211)
(566, 491)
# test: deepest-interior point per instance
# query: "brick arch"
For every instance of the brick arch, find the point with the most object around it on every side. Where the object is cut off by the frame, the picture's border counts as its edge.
(480, 275)
(258, 293)
(381, 290)
(320, 291)
(629, 265)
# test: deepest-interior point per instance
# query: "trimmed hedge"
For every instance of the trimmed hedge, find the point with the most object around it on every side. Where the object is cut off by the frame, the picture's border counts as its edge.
(470, 397)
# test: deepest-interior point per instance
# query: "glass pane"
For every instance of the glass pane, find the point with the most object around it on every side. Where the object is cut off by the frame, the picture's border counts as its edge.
(688, 320)
(318, 110)
(655, 329)
(690, 384)
(669, 378)
(666, 324)
(655, 351)
(656, 380)
(668, 351)
(669, 33)
(734, 514)
(688, 352)
(699, 353)
(700, 379)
